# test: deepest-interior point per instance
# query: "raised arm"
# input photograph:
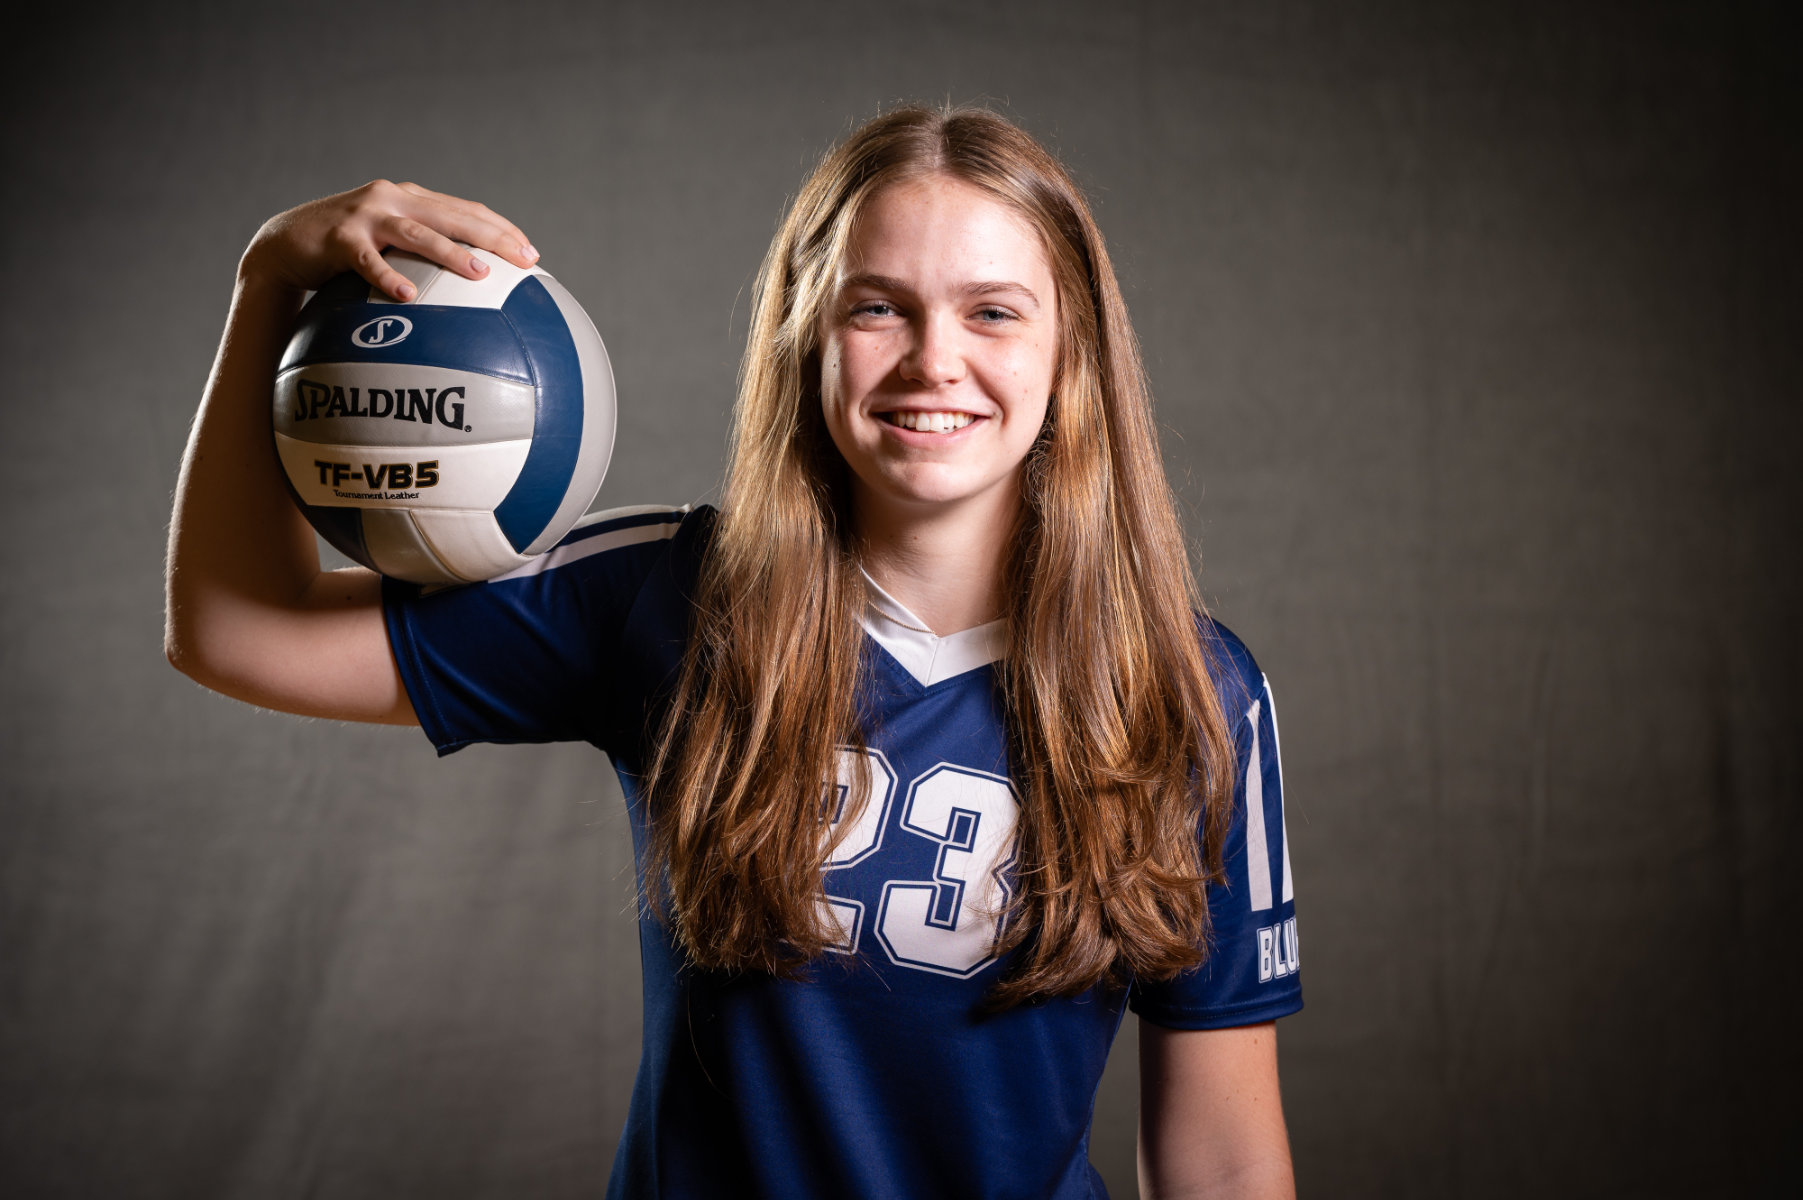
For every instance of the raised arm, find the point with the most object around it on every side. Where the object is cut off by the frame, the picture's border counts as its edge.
(248, 611)
(1210, 1118)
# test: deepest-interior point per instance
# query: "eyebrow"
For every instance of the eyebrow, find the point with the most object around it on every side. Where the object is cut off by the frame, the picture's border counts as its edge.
(979, 287)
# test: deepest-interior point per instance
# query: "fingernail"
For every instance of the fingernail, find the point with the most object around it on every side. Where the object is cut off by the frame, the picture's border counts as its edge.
(526, 250)
(477, 265)
(405, 291)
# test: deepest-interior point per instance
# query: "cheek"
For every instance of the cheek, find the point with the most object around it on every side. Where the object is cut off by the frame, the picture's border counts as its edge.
(835, 399)
(1031, 373)
(832, 380)
(1048, 362)
(849, 372)
(1034, 380)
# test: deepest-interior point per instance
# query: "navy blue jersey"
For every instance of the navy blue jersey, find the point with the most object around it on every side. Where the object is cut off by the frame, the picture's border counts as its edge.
(879, 1073)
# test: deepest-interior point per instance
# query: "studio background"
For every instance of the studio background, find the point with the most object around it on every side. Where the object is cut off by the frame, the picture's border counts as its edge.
(1474, 332)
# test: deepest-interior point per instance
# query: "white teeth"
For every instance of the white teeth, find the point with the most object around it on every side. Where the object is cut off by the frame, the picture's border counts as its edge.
(930, 422)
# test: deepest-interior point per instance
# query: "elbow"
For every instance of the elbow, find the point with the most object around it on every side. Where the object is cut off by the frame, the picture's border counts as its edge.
(179, 657)
(180, 649)
(175, 646)
(210, 662)
(178, 622)
(204, 629)
(193, 633)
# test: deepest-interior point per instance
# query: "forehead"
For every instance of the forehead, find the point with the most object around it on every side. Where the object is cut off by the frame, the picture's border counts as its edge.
(940, 229)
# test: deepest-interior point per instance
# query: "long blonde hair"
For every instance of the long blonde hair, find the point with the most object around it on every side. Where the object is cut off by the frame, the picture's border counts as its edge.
(1120, 753)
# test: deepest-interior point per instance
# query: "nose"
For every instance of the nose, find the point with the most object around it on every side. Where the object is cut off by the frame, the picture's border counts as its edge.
(934, 357)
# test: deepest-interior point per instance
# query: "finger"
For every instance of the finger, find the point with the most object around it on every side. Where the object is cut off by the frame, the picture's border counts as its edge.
(419, 238)
(366, 259)
(475, 223)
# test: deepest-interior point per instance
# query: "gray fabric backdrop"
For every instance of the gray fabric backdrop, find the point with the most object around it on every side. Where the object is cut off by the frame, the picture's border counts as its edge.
(1475, 335)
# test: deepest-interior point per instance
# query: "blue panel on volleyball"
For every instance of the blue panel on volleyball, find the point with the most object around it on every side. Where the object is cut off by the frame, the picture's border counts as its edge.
(557, 434)
(342, 528)
(458, 339)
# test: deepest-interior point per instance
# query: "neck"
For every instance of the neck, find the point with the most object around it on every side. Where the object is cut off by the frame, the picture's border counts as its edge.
(945, 563)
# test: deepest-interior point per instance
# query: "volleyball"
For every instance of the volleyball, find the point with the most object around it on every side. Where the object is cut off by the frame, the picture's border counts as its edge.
(450, 438)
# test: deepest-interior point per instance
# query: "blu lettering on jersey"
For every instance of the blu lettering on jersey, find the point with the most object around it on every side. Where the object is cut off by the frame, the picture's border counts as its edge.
(1278, 952)
(316, 400)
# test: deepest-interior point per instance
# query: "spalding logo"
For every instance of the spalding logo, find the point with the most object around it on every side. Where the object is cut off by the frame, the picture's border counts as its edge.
(383, 331)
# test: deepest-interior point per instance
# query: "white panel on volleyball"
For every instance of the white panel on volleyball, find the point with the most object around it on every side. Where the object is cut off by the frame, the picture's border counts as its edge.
(397, 550)
(472, 540)
(469, 477)
(597, 444)
(436, 285)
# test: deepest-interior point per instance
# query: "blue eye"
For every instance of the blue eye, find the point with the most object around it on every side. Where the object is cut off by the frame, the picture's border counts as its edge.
(873, 308)
(994, 316)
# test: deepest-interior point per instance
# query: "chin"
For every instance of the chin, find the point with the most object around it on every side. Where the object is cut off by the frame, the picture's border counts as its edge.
(930, 492)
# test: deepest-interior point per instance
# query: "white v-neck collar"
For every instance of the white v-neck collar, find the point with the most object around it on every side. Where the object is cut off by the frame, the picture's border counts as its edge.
(928, 657)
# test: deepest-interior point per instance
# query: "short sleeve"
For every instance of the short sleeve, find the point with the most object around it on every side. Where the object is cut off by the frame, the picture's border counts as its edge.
(528, 657)
(1253, 969)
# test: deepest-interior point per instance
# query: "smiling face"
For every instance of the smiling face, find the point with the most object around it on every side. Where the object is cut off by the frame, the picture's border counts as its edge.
(938, 352)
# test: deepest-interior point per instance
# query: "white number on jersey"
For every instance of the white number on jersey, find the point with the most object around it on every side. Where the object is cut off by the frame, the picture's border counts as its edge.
(945, 924)
(860, 839)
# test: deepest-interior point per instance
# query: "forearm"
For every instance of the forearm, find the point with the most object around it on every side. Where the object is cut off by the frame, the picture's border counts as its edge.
(1211, 1118)
(1263, 1177)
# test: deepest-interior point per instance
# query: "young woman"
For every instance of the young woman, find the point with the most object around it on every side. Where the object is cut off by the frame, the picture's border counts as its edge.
(932, 766)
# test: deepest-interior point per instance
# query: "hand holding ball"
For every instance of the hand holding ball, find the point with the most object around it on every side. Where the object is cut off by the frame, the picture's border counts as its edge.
(451, 438)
